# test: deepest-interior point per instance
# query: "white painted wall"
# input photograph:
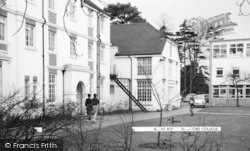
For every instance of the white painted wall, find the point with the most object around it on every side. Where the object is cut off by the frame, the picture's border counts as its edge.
(20, 61)
(159, 63)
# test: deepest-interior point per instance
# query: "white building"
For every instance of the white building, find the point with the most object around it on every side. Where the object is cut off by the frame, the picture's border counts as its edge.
(139, 54)
(67, 72)
(229, 56)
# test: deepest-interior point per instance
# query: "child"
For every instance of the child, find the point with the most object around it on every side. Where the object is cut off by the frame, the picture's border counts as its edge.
(89, 106)
(191, 104)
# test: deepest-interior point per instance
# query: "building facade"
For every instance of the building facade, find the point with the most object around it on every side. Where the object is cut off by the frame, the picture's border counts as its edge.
(53, 47)
(146, 64)
(227, 58)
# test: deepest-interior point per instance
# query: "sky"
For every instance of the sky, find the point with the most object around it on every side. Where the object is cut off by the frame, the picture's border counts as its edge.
(178, 10)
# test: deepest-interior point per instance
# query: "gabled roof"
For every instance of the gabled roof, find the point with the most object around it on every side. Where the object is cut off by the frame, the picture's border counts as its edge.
(137, 39)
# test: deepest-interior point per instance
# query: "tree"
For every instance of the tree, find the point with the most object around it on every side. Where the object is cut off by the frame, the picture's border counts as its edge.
(236, 80)
(199, 84)
(242, 7)
(124, 14)
(165, 25)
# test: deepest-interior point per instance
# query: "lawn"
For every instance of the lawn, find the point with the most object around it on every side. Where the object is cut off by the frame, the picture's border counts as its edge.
(225, 109)
(235, 130)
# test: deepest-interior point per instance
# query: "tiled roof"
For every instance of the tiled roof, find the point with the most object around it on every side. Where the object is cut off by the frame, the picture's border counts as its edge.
(137, 39)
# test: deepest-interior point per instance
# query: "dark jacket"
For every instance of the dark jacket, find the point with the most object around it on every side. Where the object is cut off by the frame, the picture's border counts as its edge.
(88, 103)
(95, 101)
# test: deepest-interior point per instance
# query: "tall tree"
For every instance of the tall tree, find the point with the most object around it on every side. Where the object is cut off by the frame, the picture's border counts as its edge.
(124, 14)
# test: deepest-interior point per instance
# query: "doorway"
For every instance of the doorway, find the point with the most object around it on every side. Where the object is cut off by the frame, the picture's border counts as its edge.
(80, 95)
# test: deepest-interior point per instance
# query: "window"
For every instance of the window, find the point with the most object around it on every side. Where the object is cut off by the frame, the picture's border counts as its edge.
(144, 90)
(90, 17)
(102, 54)
(52, 87)
(102, 23)
(220, 51)
(91, 83)
(220, 91)
(91, 66)
(27, 87)
(73, 10)
(90, 49)
(248, 50)
(219, 72)
(2, 28)
(112, 89)
(34, 87)
(216, 91)
(232, 92)
(29, 40)
(236, 72)
(52, 40)
(170, 68)
(223, 91)
(72, 46)
(236, 49)
(52, 4)
(144, 66)
(247, 91)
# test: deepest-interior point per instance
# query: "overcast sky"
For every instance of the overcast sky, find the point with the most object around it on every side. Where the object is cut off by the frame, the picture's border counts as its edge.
(179, 10)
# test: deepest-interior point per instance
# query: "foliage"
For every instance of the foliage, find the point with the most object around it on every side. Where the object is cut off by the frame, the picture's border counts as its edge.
(199, 85)
(124, 14)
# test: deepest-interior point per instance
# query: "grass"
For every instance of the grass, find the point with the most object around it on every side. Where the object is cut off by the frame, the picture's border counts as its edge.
(235, 129)
(225, 109)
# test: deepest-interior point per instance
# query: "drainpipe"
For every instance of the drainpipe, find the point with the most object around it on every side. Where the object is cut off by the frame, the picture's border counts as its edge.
(130, 84)
(98, 56)
(43, 58)
(63, 107)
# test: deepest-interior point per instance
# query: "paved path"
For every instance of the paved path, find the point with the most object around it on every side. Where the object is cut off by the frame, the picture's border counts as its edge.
(118, 119)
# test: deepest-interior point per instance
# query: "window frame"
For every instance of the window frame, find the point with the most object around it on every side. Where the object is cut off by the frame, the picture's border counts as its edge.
(222, 50)
(27, 88)
(248, 50)
(4, 22)
(34, 87)
(54, 5)
(235, 69)
(54, 42)
(90, 51)
(237, 48)
(219, 75)
(247, 88)
(90, 17)
(29, 31)
(112, 92)
(52, 87)
(102, 23)
(144, 66)
(144, 90)
(72, 46)
(72, 15)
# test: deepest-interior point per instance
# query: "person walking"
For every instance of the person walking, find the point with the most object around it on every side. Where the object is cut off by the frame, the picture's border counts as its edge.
(191, 105)
(89, 106)
(95, 102)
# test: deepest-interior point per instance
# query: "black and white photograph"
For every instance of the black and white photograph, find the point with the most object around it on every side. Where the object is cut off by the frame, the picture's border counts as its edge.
(125, 75)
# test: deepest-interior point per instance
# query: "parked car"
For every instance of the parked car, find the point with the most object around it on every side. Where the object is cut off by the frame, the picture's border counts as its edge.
(200, 100)
(206, 98)
(187, 98)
